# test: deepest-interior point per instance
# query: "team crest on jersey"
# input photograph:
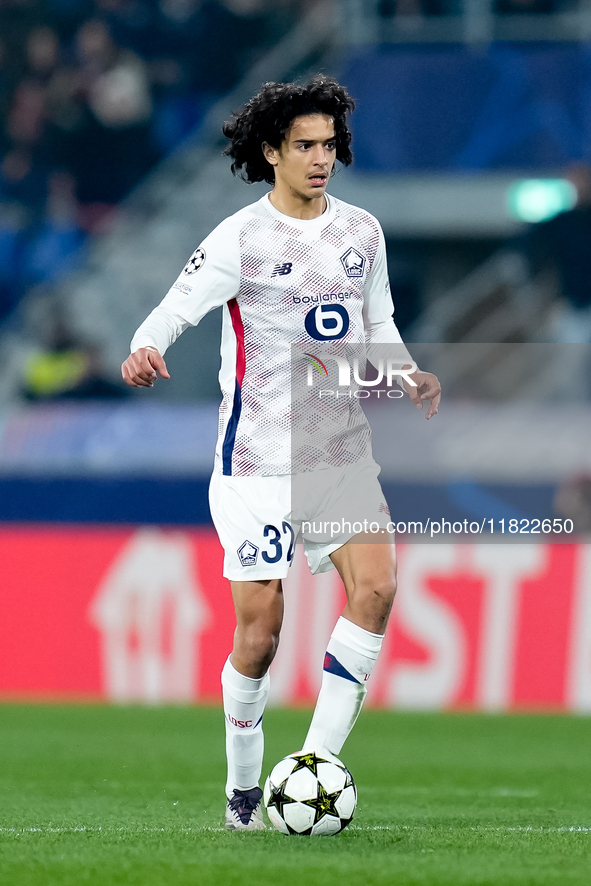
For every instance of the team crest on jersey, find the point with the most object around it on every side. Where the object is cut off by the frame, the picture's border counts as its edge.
(248, 553)
(353, 263)
(196, 261)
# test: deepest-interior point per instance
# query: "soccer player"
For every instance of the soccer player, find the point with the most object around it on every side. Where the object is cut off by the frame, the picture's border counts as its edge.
(296, 267)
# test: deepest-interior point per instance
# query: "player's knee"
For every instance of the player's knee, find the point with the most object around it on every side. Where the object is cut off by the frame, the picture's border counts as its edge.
(376, 593)
(262, 646)
(384, 591)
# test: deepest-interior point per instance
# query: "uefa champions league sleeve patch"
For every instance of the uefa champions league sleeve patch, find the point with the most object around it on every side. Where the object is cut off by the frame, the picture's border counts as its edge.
(195, 262)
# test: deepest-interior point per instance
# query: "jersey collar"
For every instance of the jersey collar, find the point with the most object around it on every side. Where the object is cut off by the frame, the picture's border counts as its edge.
(308, 225)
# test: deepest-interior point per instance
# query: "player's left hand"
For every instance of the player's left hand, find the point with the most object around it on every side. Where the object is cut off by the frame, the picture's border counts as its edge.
(428, 388)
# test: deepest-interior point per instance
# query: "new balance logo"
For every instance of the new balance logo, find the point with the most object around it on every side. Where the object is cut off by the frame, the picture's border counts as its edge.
(282, 270)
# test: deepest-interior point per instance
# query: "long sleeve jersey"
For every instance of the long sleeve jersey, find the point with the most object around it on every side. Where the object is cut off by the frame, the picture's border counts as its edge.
(281, 281)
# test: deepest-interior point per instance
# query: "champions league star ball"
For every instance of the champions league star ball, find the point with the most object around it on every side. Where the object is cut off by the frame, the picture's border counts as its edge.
(311, 794)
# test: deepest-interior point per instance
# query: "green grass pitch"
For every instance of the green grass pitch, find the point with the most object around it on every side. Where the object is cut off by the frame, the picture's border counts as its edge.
(104, 795)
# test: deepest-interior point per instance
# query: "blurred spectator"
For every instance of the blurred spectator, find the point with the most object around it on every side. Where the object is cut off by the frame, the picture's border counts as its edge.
(53, 248)
(68, 15)
(525, 7)
(94, 384)
(23, 167)
(42, 54)
(108, 148)
(564, 242)
(573, 501)
(23, 177)
(4, 86)
(92, 94)
(405, 286)
(206, 46)
(416, 8)
(12, 223)
(26, 116)
(133, 24)
(25, 162)
(67, 369)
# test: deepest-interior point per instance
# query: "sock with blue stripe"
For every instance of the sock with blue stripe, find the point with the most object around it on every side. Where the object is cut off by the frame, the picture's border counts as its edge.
(348, 663)
(244, 705)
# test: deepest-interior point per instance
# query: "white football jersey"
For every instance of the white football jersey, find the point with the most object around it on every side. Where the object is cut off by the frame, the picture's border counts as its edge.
(282, 281)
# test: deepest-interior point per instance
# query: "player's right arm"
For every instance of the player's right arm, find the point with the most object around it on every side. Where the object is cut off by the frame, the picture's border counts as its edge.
(210, 278)
(142, 368)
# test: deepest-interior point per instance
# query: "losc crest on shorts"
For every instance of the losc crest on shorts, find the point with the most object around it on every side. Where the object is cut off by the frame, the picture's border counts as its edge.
(259, 519)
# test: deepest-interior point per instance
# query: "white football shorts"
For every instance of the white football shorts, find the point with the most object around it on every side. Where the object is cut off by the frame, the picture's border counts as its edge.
(260, 519)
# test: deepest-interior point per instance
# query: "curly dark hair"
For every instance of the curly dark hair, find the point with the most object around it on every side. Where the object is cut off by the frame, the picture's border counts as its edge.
(268, 116)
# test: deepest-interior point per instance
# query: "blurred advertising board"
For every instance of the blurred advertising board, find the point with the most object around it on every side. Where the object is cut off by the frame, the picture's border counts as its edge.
(144, 615)
(515, 106)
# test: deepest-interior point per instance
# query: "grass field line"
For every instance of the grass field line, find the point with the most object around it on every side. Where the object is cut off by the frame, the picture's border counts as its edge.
(462, 792)
(220, 830)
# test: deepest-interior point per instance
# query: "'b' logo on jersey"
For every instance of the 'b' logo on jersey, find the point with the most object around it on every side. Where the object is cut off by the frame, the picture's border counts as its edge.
(327, 322)
(282, 270)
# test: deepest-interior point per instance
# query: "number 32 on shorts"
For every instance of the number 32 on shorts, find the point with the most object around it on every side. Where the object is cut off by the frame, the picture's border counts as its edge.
(277, 540)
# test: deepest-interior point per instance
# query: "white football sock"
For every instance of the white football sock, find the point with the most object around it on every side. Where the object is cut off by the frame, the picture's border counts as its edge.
(244, 704)
(350, 657)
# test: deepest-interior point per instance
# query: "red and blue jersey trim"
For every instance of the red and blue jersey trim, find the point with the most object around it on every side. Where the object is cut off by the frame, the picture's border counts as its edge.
(231, 427)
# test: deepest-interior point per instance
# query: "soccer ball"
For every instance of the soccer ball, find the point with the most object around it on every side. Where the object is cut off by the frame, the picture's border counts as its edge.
(310, 793)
